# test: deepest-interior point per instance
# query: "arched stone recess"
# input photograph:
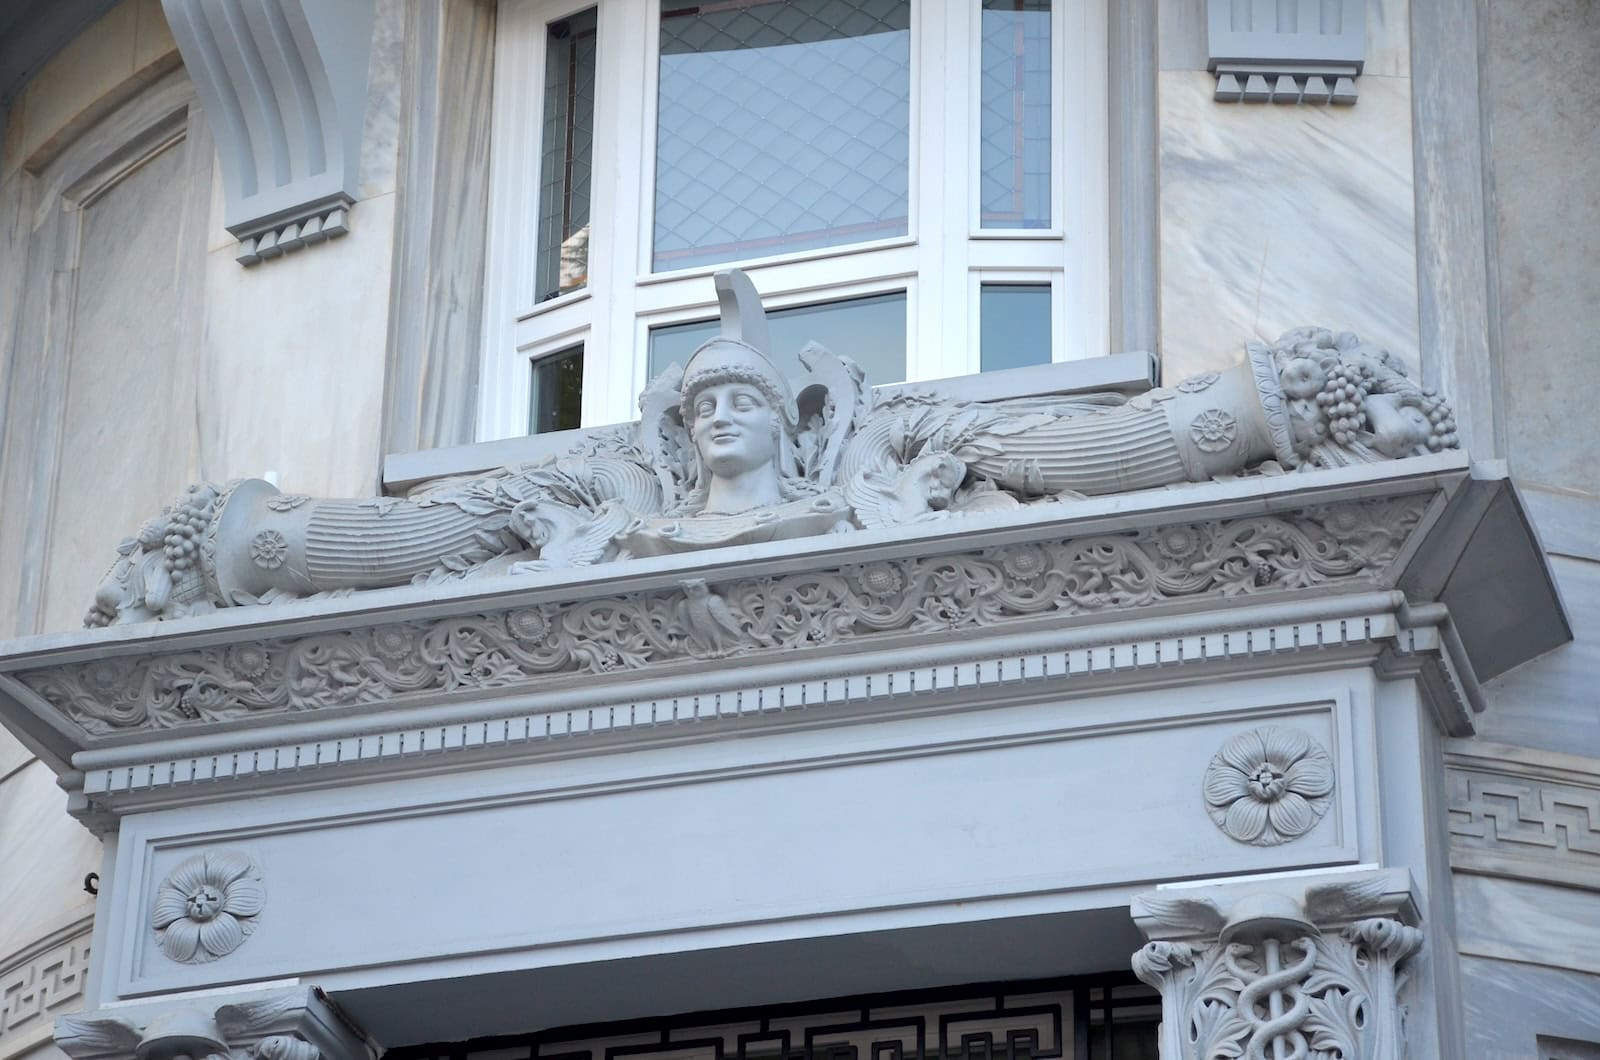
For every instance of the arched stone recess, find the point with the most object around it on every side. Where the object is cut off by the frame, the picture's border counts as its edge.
(284, 84)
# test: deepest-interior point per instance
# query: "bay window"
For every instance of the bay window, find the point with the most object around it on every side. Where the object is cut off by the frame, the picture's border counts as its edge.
(917, 184)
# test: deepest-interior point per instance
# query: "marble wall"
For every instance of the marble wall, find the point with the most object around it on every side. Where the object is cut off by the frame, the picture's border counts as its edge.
(293, 349)
(135, 356)
(1544, 127)
(1273, 216)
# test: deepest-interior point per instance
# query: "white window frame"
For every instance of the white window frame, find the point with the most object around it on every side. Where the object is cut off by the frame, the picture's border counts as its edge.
(939, 263)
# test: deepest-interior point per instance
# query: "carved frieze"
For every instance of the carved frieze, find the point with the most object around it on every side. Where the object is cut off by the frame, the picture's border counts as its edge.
(1524, 814)
(1346, 543)
(728, 452)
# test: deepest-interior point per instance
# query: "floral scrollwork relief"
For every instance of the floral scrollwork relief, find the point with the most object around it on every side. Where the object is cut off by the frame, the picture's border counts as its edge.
(1343, 543)
(207, 906)
(1269, 785)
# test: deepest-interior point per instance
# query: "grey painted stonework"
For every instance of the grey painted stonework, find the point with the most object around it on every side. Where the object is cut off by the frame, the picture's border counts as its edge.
(727, 452)
(284, 84)
(1286, 53)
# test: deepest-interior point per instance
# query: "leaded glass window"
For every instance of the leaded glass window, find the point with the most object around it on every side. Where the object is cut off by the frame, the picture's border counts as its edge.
(568, 151)
(1014, 149)
(782, 125)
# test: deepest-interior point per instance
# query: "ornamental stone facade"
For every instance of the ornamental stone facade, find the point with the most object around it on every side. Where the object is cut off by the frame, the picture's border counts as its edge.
(1220, 686)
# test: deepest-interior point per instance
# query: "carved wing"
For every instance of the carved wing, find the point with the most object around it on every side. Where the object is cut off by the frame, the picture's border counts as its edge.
(834, 395)
(1199, 916)
(86, 1035)
(871, 494)
(1345, 899)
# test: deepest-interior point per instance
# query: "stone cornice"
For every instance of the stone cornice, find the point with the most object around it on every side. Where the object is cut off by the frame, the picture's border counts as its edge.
(972, 590)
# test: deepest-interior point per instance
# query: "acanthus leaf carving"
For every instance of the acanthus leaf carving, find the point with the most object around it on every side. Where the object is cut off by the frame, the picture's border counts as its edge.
(971, 590)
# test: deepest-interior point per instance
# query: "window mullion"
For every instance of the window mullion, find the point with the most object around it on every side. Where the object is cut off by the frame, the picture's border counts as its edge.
(608, 383)
(518, 89)
(937, 328)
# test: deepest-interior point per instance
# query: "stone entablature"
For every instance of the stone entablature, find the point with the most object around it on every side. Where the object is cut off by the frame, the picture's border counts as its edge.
(596, 630)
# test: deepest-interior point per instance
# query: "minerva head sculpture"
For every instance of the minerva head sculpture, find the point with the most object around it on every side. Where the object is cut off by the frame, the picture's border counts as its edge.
(728, 451)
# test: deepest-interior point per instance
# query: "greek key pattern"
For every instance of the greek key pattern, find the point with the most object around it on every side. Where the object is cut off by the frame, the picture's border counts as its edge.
(1527, 826)
(46, 982)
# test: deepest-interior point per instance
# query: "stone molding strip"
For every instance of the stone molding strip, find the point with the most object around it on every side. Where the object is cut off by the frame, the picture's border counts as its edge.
(122, 780)
(1524, 814)
(284, 86)
(39, 982)
(1347, 545)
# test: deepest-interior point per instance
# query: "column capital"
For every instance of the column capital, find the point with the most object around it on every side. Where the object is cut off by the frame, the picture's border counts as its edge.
(1277, 966)
(298, 1023)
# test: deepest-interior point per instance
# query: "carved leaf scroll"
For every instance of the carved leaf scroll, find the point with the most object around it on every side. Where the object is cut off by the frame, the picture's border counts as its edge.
(1331, 544)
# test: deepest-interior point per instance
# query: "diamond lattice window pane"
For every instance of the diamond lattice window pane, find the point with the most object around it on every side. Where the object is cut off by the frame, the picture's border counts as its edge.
(1015, 128)
(808, 99)
(563, 243)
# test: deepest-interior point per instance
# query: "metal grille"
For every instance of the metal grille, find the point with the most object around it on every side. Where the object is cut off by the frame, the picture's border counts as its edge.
(782, 126)
(1094, 1018)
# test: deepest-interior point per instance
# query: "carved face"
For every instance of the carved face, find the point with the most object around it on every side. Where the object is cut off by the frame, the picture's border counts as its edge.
(735, 429)
(1397, 429)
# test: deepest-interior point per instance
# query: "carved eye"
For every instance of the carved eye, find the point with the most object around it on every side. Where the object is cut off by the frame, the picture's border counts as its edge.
(704, 408)
(745, 402)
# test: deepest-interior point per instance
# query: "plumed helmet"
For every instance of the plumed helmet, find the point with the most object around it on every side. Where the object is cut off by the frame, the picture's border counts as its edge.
(740, 354)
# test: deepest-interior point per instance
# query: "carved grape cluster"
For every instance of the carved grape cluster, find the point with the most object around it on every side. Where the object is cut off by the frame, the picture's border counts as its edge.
(1343, 399)
(1441, 421)
(185, 528)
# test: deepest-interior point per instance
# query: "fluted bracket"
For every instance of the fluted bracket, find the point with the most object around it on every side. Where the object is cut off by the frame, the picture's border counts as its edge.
(294, 1024)
(1280, 967)
(1296, 53)
(283, 84)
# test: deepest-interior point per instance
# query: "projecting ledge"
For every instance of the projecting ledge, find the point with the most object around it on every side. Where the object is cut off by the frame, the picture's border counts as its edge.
(981, 589)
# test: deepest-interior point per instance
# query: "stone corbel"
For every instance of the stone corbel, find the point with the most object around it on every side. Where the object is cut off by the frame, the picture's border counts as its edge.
(1281, 967)
(1296, 53)
(284, 87)
(294, 1024)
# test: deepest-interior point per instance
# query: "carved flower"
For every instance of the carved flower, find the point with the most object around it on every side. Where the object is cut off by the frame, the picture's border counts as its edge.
(1213, 430)
(1025, 562)
(248, 660)
(287, 502)
(529, 626)
(392, 642)
(1196, 383)
(1177, 543)
(1269, 785)
(268, 549)
(881, 580)
(207, 906)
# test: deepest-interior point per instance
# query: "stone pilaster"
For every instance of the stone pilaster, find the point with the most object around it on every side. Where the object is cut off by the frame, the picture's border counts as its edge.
(1282, 967)
(297, 1023)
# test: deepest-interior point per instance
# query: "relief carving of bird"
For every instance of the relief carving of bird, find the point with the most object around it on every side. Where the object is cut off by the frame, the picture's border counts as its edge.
(709, 622)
